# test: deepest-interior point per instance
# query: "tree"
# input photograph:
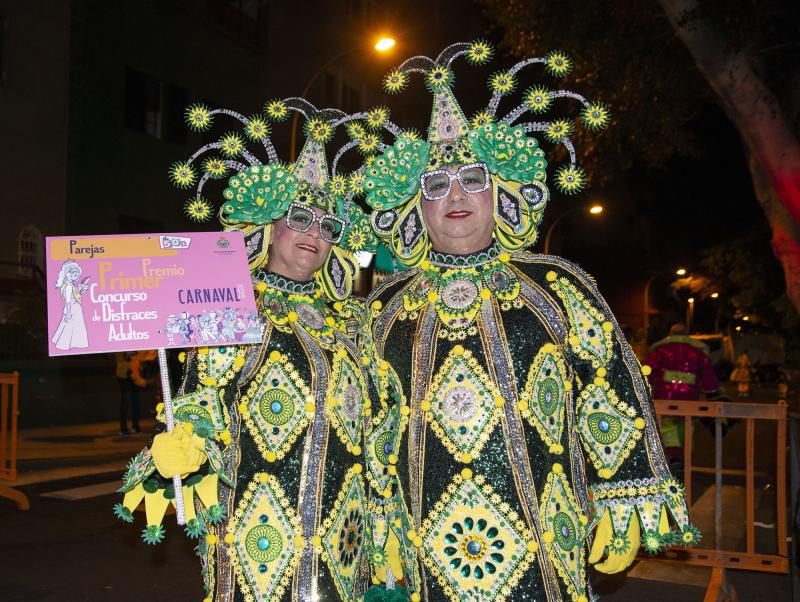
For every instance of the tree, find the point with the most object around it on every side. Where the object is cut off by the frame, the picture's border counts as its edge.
(744, 52)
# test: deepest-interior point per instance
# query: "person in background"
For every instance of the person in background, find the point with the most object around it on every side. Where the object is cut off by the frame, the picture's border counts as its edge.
(128, 394)
(680, 370)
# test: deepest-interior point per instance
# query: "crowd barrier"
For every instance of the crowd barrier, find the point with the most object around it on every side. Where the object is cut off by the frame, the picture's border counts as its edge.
(717, 557)
(9, 402)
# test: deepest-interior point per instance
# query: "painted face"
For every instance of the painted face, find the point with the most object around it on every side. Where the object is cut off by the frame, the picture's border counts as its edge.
(74, 273)
(460, 222)
(296, 254)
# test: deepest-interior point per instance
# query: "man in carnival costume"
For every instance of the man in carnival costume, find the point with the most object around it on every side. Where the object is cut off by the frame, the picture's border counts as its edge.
(510, 368)
(270, 436)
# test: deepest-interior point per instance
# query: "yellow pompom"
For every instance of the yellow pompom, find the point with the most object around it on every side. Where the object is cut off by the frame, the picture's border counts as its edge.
(262, 477)
(392, 459)
(548, 536)
(270, 456)
(574, 341)
(425, 264)
(384, 365)
(411, 535)
(556, 448)
(486, 293)
(601, 372)
(581, 599)
(504, 257)
(316, 541)
(238, 362)
(310, 407)
(367, 412)
(367, 404)
(243, 408)
(522, 405)
(392, 470)
(466, 458)
(202, 350)
(207, 600)
(608, 326)
(211, 539)
(418, 542)
(405, 410)
(398, 523)
(387, 493)
(568, 385)
(261, 287)
(330, 321)
(466, 473)
(188, 427)
(229, 538)
(433, 296)
(377, 305)
(274, 356)
(533, 547)
(225, 436)
(646, 370)
(425, 406)
(365, 361)
(292, 316)
(159, 408)
(499, 401)
(599, 381)
(356, 450)
(209, 382)
(415, 597)
(583, 519)
(182, 357)
(557, 468)
(548, 348)
(338, 306)
(358, 468)
(458, 350)
(639, 423)
(551, 276)
(605, 473)
(299, 542)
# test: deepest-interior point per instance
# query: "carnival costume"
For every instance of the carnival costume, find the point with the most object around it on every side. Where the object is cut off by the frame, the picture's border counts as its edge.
(509, 367)
(270, 435)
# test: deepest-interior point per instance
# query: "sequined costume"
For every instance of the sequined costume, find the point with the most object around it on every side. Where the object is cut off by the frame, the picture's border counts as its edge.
(681, 369)
(280, 502)
(525, 423)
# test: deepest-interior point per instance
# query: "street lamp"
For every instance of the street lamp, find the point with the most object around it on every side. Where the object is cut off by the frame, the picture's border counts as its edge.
(681, 271)
(594, 210)
(383, 45)
(689, 314)
(714, 295)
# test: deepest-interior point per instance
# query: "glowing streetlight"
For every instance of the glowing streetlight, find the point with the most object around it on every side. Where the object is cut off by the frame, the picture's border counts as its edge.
(746, 318)
(384, 44)
(595, 209)
(681, 271)
(691, 299)
(738, 328)
(714, 295)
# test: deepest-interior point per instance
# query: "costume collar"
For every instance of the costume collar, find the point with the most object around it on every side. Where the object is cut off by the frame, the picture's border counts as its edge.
(287, 285)
(452, 260)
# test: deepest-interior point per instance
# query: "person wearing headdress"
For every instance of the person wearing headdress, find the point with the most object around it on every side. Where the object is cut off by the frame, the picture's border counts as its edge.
(269, 436)
(510, 368)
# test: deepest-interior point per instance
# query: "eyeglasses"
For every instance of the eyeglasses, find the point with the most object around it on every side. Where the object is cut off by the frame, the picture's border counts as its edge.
(301, 218)
(436, 184)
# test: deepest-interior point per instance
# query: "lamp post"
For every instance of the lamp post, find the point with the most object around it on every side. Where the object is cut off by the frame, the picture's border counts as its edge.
(689, 314)
(646, 297)
(593, 210)
(382, 45)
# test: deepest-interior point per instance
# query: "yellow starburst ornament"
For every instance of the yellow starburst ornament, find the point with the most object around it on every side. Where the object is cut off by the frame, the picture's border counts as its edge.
(356, 184)
(479, 52)
(395, 81)
(182, 174)
(231, 144)
(319, 130)
(439, 77)
(558, 63)
(215, 167)
(538, 99)
(570, 179)
(276, 110)
(377, 117)
(256, 128)
(558, 129)
(502, 83)
(198, 117)
(337, 185)
(198, 209)
(596, 116)
(368, 144)
(482, 119)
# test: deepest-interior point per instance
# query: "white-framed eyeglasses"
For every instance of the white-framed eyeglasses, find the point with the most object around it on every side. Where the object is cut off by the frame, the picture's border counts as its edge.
(472, 177)
(301, 218)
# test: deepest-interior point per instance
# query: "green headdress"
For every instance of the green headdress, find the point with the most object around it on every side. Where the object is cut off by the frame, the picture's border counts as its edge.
(260, 192)
(513, 156)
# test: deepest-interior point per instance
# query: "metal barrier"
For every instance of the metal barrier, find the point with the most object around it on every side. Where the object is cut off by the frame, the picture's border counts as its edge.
(9, 398)
(718, 558)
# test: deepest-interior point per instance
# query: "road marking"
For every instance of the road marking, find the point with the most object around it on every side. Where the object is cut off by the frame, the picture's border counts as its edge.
(83, 493)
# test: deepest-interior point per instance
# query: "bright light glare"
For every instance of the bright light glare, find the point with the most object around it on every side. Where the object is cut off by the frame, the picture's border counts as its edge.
(691, 299)
(738, 328)
(596, 209)
(681, 271)
(714, 295)
(384, 44)
(746, 318)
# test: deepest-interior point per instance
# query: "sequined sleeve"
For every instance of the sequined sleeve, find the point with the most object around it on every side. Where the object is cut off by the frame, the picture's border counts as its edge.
(627, 473)
(209, 379)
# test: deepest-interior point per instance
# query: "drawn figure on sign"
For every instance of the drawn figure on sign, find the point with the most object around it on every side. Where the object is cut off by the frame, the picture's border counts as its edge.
(238, 324)
(173, 327)
(71, 331)
(228, 321)
(194, 329)
(255, 329)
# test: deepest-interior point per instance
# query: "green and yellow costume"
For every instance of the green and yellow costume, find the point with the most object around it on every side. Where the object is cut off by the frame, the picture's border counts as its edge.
(510, 371)
(275, 484)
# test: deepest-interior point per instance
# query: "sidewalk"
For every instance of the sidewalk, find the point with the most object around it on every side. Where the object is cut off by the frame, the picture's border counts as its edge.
(64, 452)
